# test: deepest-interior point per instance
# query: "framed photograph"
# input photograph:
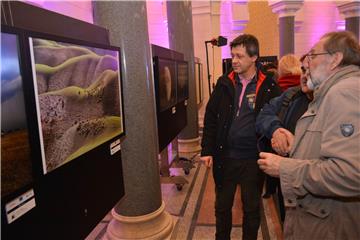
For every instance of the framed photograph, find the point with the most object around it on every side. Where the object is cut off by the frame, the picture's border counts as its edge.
(166, 83)
(78, 96)
(16, 162)
(182, 81)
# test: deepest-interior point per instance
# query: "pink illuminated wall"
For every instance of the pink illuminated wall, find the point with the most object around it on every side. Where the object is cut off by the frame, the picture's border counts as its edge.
(316, 18)
(226, 27)
(157, 23)
(81, 10)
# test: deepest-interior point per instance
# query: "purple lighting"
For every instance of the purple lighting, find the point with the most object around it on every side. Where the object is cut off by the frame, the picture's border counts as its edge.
(157, 23)
(322, 16)
(81, 10)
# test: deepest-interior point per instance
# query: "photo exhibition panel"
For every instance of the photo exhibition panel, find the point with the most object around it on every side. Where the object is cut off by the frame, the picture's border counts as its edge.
(16, 163)
(78, 97)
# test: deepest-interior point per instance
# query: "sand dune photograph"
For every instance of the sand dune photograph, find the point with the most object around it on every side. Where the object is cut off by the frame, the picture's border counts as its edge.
(78, 98)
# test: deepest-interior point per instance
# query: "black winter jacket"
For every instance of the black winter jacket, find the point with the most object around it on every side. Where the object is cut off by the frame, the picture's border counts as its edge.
(220, 111)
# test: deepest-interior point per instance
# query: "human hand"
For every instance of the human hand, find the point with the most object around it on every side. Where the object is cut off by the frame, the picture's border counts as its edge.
(289, 138)
(270, 163)
(282, 141)
(208, 160)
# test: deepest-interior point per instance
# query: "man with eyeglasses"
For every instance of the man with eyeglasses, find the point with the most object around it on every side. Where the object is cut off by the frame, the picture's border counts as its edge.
(320, 179)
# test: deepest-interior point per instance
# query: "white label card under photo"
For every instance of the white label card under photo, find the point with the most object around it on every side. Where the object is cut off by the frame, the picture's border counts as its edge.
(20, 205)
(173, 110)
(116, 142)
(115, 147)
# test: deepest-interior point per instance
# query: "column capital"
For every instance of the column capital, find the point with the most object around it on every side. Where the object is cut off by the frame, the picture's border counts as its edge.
(201, 7)
(285, 8)
(349, 8)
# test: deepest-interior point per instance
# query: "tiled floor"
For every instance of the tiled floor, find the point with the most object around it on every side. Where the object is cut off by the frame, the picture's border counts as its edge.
(192, 208)
(189, 206)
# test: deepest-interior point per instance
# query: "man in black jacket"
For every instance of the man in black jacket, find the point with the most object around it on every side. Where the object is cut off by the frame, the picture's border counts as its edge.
(229, 139)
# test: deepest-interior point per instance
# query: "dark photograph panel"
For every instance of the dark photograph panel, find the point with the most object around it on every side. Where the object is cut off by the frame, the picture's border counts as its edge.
(167, 84)
(182, 81)
(16, 169)
(78, 98)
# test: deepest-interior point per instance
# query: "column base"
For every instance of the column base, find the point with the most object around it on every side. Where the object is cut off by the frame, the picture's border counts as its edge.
(189, 145)
(152, 226)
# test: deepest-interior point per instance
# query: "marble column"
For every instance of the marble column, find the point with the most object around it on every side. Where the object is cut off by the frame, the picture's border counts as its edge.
(286, 11)
(181, 39)
(351, 12)
(140, 214)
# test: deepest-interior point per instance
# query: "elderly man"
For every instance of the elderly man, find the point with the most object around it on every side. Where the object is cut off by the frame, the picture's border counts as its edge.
(321, 179)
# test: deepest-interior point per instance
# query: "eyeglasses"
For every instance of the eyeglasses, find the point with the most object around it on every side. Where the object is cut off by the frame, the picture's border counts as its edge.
(311, 56)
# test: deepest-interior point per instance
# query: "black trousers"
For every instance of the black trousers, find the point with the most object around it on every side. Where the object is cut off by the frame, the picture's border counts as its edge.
(249, 176)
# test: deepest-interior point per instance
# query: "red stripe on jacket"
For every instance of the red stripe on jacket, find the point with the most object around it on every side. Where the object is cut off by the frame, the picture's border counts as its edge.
(261, 78)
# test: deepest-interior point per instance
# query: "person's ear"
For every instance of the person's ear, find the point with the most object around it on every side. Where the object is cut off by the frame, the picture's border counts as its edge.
(337, 59)
(254, 58)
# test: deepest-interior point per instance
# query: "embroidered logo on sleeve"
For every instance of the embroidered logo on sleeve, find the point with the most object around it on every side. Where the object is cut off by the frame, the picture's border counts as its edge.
(347, 129)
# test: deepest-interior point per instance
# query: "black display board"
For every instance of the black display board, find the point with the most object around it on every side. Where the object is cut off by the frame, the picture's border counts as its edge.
(268, 59)
(226, 65)
(71, 199)
(172, 119)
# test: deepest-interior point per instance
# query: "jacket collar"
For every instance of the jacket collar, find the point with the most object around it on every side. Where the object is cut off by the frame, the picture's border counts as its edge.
(260, 78)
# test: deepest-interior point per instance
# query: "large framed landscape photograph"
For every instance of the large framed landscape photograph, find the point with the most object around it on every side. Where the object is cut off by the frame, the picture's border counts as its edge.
(16, 161)
(78, 97)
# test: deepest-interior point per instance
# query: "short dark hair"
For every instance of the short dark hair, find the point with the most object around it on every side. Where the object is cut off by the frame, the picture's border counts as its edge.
(346, 43)
(250, 43)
